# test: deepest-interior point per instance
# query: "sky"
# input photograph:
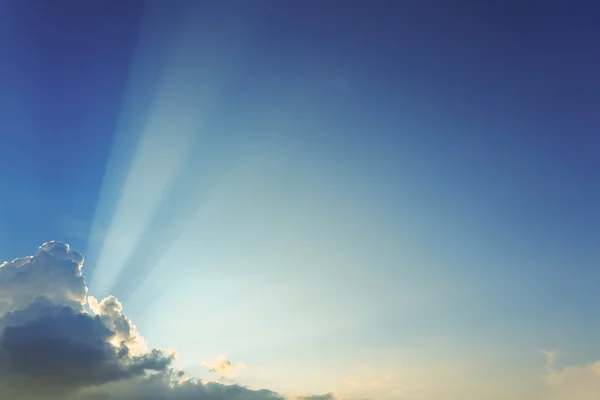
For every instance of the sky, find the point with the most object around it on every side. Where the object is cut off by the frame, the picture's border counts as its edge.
(386, 200)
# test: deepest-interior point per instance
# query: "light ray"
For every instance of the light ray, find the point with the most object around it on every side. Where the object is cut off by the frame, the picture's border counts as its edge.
(146, 71)
(147, 192)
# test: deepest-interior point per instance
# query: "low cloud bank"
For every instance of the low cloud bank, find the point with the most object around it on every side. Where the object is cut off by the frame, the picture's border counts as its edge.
(58, 343)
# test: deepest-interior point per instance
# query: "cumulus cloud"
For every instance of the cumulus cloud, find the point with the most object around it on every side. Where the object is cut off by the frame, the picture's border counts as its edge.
(54, 273)
(125, 333)
(58, 343)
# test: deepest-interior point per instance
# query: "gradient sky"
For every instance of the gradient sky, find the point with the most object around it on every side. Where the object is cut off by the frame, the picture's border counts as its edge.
(375, 198)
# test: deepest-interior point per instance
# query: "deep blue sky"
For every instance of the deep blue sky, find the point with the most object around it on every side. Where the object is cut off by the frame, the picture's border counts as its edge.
(64, 66)
(462, 134)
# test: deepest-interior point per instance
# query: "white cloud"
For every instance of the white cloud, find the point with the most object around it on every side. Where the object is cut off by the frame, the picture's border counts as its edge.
(109, 310)
(54, 272)
(224, 368)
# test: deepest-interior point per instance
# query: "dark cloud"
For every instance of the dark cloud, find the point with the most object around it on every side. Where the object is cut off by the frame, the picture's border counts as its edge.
(58, 343)
(61, 352)
(161, 387)
(59, 349)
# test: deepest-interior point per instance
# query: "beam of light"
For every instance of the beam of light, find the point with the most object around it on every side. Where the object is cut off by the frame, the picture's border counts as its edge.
(149, 192)
(177, 208)
(136, 139)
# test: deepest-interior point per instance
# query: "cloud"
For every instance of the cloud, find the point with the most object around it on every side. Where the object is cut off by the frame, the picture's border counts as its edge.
(109, 311)
(58, 343)
(550, 356)
(53, 272)
(63, 350)
(224, 368)
(327, 396)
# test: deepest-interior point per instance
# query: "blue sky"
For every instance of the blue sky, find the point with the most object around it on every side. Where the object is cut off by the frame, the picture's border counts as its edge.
(317, 189)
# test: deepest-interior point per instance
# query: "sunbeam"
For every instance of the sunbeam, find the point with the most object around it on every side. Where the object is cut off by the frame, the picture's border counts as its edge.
(149, 189)
(309, 200)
